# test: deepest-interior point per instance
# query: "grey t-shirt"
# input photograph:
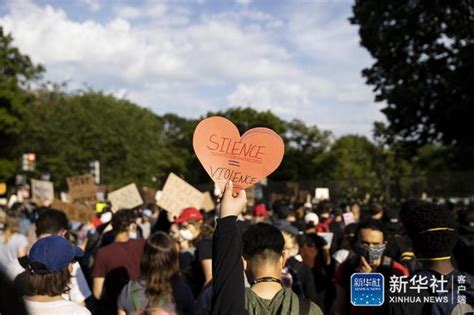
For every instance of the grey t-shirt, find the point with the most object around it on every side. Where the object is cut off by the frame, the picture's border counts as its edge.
(132, 298)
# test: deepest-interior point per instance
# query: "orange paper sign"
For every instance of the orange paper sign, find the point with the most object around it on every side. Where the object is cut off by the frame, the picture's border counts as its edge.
(227, 156)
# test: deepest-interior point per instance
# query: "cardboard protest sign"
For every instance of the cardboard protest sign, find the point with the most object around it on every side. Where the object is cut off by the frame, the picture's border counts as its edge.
(321, 193)
(42, 191)
(75, 212)
(328, 236)
(348, 218)
(177, 194)
(225, 155)
(158, 195)
(82, 189)
(126, 197)
(207, 202)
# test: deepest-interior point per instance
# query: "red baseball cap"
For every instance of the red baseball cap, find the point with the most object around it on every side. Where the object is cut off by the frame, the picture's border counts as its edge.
(187, 214)
(260, 210)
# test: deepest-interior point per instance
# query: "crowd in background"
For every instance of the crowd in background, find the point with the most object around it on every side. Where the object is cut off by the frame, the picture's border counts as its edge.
(143, 261)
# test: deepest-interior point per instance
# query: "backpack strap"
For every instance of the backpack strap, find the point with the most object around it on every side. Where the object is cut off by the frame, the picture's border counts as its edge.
(131, 289)
(305, 305)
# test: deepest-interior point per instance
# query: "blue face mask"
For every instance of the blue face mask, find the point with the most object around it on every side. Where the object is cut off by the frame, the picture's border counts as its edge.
(370, 253)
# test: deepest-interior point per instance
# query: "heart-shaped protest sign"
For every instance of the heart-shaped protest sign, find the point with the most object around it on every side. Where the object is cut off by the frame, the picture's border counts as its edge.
(225, 155)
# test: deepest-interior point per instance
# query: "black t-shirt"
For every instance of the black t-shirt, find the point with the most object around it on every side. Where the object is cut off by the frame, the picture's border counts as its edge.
(203, 251)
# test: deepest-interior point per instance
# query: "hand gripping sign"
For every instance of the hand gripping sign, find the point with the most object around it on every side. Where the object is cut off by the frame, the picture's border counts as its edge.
(225, 155)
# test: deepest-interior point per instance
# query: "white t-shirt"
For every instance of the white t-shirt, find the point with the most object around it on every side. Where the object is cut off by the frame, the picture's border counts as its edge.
(9, 250)
(55, 308)
(79, 289)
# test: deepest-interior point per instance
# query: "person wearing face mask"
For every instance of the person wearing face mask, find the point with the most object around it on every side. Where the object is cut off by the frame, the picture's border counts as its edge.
(197, 232)
(118, 262)
(369, 257)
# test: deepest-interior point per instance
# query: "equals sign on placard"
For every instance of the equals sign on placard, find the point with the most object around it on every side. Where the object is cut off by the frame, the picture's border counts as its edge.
(234, 163)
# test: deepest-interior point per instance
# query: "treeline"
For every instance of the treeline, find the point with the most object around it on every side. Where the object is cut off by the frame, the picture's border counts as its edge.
(67, 130)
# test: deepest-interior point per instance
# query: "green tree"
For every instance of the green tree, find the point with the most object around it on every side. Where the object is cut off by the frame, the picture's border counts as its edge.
(178, 136)
(350, 165)
(424, 66)
(67, 131)
(304, 144)
(16, 73)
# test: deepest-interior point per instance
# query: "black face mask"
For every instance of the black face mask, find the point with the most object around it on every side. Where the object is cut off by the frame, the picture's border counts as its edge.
(370, 253)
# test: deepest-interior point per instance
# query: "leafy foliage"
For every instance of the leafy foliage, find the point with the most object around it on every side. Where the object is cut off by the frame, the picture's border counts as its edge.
(424, 67)
(16, 71)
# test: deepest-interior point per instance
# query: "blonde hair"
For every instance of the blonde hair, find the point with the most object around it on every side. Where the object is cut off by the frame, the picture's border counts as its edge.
(12, 226)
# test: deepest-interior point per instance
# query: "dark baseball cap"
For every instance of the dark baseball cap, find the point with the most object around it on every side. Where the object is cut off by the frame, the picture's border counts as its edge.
(52, 253)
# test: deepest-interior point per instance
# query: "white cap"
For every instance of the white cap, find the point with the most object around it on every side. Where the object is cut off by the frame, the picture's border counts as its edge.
(311, 217)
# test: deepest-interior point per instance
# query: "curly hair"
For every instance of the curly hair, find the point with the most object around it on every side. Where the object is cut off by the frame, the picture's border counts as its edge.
(431, 227)
(159, 266)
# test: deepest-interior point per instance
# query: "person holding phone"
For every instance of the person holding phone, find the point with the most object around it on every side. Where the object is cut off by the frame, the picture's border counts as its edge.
(369, 257)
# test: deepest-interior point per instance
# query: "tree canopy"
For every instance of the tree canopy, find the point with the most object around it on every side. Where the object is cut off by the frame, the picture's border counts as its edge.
(16, 72)
(424, 67)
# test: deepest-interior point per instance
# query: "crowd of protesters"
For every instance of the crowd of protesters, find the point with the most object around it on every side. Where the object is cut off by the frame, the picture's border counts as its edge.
(265, 259)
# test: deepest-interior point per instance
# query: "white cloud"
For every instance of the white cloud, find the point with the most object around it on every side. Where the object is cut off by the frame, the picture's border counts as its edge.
(93, 5)
(279, 97)
(243, 2)
(150, 10)
(165, 56)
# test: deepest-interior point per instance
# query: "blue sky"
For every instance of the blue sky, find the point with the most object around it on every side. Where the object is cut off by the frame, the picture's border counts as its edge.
(300, 59)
